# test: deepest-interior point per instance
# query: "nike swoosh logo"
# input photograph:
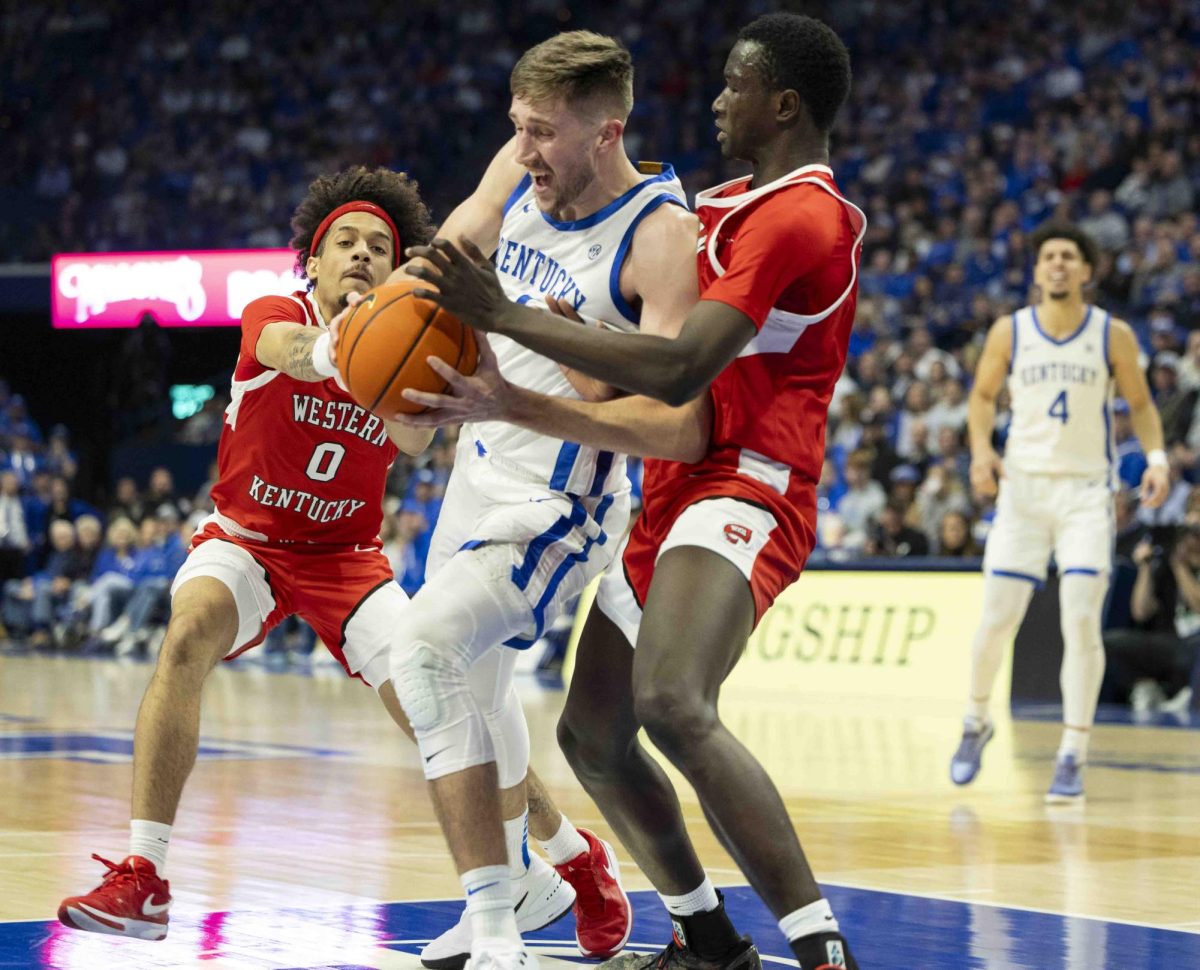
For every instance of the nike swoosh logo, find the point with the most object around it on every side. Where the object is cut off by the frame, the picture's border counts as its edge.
(517, 908)
(150, 909)
(479, 889)
(430, 757)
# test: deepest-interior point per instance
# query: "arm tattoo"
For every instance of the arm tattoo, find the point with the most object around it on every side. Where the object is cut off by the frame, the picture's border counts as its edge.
(298, 362)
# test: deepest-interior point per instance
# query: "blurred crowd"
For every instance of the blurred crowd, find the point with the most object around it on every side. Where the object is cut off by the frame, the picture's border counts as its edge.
(968, 125)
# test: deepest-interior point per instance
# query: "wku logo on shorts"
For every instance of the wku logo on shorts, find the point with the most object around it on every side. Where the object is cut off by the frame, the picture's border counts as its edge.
(736, 533)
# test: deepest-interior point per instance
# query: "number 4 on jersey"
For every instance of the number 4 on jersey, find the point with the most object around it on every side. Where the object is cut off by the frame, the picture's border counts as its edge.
(1059, 408)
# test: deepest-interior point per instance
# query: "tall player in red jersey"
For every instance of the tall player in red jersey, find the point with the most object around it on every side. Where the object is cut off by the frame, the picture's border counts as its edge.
(740, 396)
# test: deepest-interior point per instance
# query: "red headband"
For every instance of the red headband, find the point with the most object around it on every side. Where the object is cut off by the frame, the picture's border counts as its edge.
(357, 206)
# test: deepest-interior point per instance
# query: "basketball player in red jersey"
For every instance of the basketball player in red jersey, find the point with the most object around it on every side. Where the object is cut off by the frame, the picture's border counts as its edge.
(742, 394)
(298, 509)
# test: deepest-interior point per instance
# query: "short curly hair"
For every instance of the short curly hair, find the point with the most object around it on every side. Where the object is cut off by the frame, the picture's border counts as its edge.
(1064, 230)
(394, 192)
(804, 55)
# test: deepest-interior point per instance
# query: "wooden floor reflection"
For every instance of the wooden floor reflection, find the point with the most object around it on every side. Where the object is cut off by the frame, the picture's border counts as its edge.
(304, 792)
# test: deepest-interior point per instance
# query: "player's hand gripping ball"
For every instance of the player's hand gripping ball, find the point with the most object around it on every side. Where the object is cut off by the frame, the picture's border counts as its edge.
(384, 344)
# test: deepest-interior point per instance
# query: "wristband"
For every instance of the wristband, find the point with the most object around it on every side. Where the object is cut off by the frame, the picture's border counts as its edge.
(1157, 458)
(323, 363)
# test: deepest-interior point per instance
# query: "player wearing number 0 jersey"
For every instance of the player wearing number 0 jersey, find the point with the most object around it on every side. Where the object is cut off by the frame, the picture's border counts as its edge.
(298, 502)
(1061, 358)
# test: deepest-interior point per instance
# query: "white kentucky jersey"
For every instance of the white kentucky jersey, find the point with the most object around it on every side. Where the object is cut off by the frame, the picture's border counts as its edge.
(579, 263)
(1061, 398)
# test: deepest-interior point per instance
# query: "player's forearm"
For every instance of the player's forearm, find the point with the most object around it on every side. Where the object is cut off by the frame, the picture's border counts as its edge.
(1147, 425)
(981, 422)
(288, 348)
(411, 441)
(635, 425)
(638, 363)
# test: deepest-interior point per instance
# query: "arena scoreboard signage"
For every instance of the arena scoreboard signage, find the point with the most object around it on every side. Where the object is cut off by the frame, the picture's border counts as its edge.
(179, 289)
(865, 634)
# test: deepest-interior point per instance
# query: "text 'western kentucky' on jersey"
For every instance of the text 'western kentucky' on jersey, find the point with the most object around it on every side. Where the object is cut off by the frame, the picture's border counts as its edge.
(580, 263)
(786, 255)
(299, 461)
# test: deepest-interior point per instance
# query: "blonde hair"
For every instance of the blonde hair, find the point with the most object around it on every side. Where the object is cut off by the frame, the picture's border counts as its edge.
(577, 66)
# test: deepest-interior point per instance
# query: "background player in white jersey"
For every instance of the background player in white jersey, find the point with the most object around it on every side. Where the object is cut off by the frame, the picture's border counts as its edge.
(529, 520)
(1061, 358)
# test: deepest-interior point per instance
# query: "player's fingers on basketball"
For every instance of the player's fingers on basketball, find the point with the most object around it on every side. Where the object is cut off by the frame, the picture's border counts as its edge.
(448, 251)
(427, 419)
(425, 398)
(429, 274)
(442, 369)
(472, 252)
(487, 356)
(434, 259)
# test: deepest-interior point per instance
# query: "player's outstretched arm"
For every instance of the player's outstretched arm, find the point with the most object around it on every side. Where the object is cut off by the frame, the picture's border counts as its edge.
(288, 347)
(1143, 415)
(990, 374)
(659, 274)
(669, 370)
(634, 425)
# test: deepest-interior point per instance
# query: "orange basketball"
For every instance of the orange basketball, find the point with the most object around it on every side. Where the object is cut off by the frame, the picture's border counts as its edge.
(385, 342)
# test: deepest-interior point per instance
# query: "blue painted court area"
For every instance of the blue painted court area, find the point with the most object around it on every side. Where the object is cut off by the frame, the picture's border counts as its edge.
(889, 931)
(115, 747)
(1187, 720)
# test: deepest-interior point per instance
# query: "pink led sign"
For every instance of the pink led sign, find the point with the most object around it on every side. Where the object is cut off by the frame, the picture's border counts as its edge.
(179, 289)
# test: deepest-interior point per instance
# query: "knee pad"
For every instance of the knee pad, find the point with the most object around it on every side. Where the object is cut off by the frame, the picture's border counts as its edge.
(425, 684)
(431, 686)
(510, 740)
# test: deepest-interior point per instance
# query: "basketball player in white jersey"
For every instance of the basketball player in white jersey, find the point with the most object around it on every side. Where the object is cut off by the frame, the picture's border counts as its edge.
(1061, 358)
(529, 520)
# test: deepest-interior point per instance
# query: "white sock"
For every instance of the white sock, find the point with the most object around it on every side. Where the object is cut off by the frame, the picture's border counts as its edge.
(814, 918)
(489, 902)
(1081, 603)
(1074, 742)
(516, 841)
(702, 899)
(150, 840)
(977, 714)
(565, 844)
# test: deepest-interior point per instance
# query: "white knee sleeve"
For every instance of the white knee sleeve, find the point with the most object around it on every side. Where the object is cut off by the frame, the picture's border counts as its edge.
(1081, 602)
(455, 623)
(510, 741)
(431, 684)
(1004, 603)
(491, 684)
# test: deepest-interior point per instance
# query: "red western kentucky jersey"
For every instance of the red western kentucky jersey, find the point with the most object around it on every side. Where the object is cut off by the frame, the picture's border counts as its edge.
(786, 255)
(299, 461)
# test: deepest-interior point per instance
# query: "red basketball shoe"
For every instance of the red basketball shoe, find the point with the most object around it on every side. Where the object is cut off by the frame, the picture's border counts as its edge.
(603, 917)
(130, 901)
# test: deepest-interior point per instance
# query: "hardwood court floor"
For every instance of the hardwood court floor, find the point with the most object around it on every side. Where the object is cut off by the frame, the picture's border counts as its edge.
(306, 839)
